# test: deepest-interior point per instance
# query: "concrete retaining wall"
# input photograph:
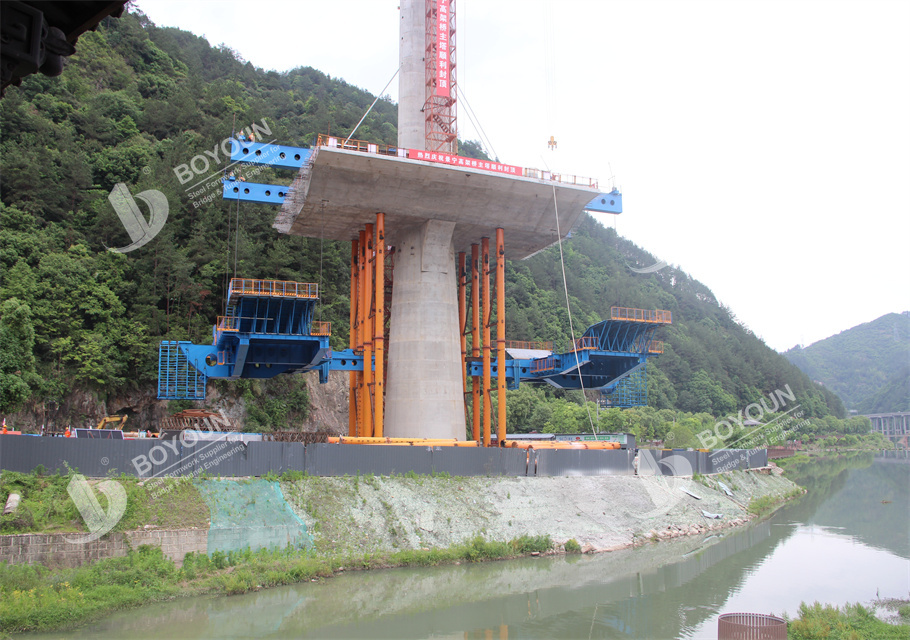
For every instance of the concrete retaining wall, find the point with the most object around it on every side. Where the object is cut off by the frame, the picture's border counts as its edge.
(52, 549)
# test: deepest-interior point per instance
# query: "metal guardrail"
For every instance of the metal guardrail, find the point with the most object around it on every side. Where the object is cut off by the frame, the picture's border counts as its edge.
(349, 144)
(543, 364)
(364, 146)
(656, 346)
(641, 315)
(273, 288)
(320, 328)
(228, 323)
(585, 342)
(536, 345)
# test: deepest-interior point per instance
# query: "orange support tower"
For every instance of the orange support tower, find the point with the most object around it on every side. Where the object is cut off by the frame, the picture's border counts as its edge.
(352, 341)
(366, 413)
(487, 408)
(500, 335)
(379, 325)
(462, 322)
(475, 337)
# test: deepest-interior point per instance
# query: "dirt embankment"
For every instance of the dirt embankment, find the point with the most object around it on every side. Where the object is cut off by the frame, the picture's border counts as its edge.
(367, 514)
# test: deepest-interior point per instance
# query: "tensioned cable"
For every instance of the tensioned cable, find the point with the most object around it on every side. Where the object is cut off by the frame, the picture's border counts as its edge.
(475, 118)
(483, 145)
(565, 287)
(379, 95)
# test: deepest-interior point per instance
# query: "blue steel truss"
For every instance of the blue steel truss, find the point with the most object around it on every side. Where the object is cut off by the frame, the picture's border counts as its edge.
(622, 335)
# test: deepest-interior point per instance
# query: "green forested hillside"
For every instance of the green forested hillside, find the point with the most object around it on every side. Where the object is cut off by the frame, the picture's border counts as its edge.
(868, 366)
(135, 102)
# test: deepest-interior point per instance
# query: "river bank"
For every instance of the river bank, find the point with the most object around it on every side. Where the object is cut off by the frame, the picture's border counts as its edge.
(365, 522)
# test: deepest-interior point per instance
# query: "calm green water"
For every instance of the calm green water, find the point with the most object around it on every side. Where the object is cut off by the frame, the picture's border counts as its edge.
(840, 543)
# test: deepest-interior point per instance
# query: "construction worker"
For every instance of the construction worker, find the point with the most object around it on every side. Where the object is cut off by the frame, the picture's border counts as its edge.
(66, 434)
(251, 137)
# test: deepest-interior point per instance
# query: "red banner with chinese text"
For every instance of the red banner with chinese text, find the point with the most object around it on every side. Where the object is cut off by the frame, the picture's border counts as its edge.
(442, 49)
(461, 161)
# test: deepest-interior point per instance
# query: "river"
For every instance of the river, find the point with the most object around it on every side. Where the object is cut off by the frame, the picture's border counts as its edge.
(846, 540)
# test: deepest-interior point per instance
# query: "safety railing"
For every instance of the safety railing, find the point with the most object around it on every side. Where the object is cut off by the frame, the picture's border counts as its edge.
(585, 342)
(536, 345)
(655, 346)
(349, 144)
(228, 323)
(320, 328)
(641, 315)
(543, 364)
(364, 146)
(273, 288)
(539, 174)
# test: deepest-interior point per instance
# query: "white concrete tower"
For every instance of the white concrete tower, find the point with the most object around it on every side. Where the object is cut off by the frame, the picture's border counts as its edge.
(424, 391)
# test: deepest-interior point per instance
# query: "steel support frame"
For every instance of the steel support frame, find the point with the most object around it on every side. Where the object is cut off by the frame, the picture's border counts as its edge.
(475, 340)
(485, 304)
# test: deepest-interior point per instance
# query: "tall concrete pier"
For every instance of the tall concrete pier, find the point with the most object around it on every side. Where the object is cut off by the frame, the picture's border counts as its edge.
(424, 391)
(435, 204)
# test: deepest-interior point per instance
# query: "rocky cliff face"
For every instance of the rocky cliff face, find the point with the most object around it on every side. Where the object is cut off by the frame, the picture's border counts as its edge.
(328, 408)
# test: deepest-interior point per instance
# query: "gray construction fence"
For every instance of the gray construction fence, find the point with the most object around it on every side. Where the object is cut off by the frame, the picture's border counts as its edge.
(679, 462)
(235, 457)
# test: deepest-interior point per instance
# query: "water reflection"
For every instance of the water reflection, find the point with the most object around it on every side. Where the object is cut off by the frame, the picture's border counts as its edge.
(821, 546)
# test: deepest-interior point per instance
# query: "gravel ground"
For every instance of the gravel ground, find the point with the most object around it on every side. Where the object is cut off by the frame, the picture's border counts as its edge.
(381, 514)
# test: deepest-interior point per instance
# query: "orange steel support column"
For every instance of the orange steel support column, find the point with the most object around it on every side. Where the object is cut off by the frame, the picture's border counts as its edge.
(462, 321)
(475, 337)
(487, 409)
(367, 298)
(361, 319)
(500, 336)
(352, 342)
(379, 325)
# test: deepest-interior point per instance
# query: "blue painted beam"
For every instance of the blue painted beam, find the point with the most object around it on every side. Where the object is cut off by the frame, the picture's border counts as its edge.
(606, 203)
(254, 192)
(273, 155)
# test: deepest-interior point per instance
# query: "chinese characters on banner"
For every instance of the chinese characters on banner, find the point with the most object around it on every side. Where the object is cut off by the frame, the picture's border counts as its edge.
(446, 158)
(442, 49)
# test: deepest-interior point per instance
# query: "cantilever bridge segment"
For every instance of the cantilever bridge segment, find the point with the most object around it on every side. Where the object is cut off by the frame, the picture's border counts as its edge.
(433, 224)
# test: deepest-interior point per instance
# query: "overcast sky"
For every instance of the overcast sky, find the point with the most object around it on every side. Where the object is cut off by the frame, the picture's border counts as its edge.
(761, 146)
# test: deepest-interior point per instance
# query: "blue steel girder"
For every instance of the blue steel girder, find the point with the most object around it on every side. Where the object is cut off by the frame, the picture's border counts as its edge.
(279, 156)
(606, 203)
(253, 192)
(261, 356)
(597, 369)
(516, 370)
